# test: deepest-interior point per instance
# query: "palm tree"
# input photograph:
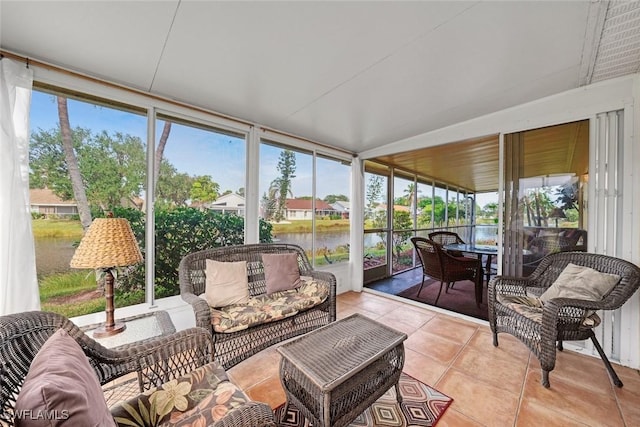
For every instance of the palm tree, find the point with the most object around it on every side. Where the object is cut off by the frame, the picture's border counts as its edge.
(79, 193)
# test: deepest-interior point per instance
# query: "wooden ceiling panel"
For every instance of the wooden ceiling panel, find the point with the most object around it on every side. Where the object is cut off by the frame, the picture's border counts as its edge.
(474, 164)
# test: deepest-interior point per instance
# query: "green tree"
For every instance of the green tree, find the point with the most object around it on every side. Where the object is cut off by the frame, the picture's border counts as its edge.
(162, 143)
(490, 210)
(112, 167)
(71, 161)
(173, 188)
(204, 190)
(287, 168)
(401, 221)
(372, 196)
(435, 205)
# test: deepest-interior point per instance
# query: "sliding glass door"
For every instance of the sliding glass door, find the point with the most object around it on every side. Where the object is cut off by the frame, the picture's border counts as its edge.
(546, 172)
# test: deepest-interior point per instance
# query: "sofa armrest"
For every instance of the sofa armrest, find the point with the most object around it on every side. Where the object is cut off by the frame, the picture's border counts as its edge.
(329, 278)
(201, 309)
(157, 360)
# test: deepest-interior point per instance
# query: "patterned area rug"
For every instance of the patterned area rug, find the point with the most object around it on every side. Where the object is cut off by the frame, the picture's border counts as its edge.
(421, 406)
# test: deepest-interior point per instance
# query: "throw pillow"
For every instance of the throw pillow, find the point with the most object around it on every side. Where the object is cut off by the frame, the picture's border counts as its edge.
(580, 282)
(61, 388)
(281, 272)
(226, 283)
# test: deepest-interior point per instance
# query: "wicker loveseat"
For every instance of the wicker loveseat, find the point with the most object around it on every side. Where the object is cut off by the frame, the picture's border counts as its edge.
(311, 306)
(182, 359)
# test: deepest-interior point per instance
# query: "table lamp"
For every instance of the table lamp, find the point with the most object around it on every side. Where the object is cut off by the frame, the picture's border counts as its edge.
(557, 213)
(108, 243)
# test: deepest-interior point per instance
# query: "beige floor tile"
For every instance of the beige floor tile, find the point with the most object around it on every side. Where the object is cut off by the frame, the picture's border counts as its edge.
(434, 346)
(255, 369)
(571, 400)
(453, 418)
(450, 328)
(415, 318)
(483, 341)
(628, 395)
(493, 367)
(483, 403)
(422, 367)
(268, 391)
(582, 370)
(534, 414)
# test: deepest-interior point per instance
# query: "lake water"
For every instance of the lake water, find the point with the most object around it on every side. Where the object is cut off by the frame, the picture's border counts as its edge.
(54, 255)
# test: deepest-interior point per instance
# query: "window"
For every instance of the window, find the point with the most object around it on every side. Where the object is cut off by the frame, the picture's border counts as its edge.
(304, 196)
(108, 142)
(199, 194)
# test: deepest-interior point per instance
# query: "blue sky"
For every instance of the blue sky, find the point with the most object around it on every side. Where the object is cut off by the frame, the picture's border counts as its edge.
(195, 151)
(198, 152)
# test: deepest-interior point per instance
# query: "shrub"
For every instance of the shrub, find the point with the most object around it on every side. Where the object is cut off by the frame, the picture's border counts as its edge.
(179, 231)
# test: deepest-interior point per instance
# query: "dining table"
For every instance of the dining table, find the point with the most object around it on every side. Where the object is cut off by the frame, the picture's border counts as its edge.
(479, 250)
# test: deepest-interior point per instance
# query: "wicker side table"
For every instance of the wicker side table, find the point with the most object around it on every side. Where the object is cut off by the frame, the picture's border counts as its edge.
(334, 373)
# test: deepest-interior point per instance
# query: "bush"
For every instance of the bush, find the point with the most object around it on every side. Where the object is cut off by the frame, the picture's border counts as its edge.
(179, 231)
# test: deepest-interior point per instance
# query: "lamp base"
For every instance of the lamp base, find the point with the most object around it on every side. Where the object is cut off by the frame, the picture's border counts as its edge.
(107, 331)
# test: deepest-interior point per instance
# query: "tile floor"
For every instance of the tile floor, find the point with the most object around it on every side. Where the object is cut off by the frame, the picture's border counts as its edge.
(491, 386)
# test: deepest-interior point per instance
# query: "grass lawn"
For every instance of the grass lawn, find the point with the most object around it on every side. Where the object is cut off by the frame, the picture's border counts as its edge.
(49, 228)
(304, 226)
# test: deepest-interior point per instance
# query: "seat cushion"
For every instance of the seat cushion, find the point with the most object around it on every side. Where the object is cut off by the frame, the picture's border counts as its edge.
(269, 308)
(61, 384)
(201, 397)
(532, 308)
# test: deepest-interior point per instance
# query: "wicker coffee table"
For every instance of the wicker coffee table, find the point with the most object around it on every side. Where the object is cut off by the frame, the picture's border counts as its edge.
(334, 373)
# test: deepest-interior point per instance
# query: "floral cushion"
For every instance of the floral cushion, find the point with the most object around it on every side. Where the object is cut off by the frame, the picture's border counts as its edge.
(269, 308)
(532, 308)
(200, 398)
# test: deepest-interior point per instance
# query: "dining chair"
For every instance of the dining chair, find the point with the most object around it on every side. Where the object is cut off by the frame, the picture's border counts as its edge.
(440, 265)
(447, 238)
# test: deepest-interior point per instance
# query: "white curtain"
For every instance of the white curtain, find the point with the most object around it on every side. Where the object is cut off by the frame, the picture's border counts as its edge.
(18, 281)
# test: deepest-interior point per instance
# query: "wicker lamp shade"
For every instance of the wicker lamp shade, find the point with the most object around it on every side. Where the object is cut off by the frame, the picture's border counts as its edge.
(108, 243)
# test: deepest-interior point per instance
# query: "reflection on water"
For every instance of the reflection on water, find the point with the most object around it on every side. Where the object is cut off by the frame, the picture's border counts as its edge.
(53, 255)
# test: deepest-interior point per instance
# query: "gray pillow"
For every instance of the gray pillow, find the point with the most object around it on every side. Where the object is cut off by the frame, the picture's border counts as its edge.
(580, 282)
(61, 384)
(281, 272)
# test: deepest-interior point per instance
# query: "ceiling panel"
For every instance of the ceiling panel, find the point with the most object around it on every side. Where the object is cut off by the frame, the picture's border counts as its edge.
(474, 164)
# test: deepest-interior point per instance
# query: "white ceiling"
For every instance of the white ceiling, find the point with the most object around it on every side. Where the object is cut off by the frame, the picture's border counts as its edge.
(355, 75)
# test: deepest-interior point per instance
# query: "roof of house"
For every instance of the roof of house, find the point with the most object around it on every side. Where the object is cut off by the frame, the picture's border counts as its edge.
(228, 200)
(305, 204)
(44, 196)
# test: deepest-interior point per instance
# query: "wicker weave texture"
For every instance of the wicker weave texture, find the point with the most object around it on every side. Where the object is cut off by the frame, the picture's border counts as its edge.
(109, 242)
(156, 360)
(232, 348)
(562, 317)
(334, 373)
(440, 265)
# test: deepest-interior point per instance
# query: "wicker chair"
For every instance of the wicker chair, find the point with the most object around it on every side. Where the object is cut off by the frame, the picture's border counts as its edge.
(447, 238)
(155, 360)
(562, 319)
(232, 348)
(441, 265)
(541, 246)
